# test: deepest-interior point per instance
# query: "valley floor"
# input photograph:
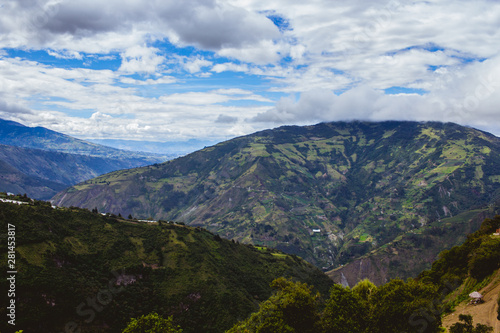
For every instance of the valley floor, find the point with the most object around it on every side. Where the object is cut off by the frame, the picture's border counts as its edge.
(485, 313)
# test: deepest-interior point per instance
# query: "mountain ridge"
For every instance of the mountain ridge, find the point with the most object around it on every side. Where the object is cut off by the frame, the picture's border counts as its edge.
(330, 192)
(19, 135)
(42, 173)
(41, 162)
(98, 271)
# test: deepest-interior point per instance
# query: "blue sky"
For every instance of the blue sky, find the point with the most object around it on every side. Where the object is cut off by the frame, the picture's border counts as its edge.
(176, 70)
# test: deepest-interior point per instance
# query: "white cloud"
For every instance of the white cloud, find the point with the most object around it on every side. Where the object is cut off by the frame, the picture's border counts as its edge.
(264, 52)
(139, 59)
(366, 39)
(100, 116)
(94, 26)
(468, 97)
(229, 67)
(13, 109)
(225, 119)
(337, 57)
(233, 91)
(65, 54)
(195, 64)
(160, 80)
(114, 111)
(215, 25)
(212, 97)
(195, 98)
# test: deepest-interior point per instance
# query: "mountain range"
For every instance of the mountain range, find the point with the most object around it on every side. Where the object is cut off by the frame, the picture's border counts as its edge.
(16, 134)
(331, 193)
(41, 162)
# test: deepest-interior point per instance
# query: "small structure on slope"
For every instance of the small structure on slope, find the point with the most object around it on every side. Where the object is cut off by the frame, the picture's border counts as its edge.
(476, 298)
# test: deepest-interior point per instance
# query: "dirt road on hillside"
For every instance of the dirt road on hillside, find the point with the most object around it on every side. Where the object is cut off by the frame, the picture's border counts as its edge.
(485, 313)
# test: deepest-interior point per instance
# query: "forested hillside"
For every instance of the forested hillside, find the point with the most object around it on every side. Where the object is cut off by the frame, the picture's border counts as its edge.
(92, 272)
(329, 193)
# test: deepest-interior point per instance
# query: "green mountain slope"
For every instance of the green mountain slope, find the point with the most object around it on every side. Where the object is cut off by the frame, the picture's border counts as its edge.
(79, 270)
(329, 193)
(15, 181)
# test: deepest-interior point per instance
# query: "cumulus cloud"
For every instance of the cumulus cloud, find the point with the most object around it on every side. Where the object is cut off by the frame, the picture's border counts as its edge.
(139, 59)
(233, 91)
(264, 52)
(10, 108)
(228, 66)
(381, 42)
(103, 26)
(195, 64)
(319, 61)
(215, 25)
(94, 106)
(468, 97)
(160, 80)
(65, 54)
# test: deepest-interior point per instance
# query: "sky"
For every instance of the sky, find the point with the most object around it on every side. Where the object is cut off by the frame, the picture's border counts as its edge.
(173, 70)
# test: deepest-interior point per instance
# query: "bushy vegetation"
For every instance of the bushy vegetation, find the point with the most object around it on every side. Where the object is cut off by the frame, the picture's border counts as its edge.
(477, 258)
(293, 308)
(395, 307)
(152, 323)
(93, 272)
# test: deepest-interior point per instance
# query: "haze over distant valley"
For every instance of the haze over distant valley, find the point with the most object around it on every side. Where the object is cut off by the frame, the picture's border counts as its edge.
(39, 162)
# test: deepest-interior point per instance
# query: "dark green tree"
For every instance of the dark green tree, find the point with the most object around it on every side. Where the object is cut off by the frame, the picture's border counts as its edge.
(498, 308)
(364, 290)
(468, 327)
(152, 323)
(293, 308)
(485, 259)
(344, 312)
(405, 307)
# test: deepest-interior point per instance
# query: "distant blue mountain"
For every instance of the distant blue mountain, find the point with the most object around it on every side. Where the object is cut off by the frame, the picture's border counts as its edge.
(177, 148)
(16, 134)
(40, 162)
